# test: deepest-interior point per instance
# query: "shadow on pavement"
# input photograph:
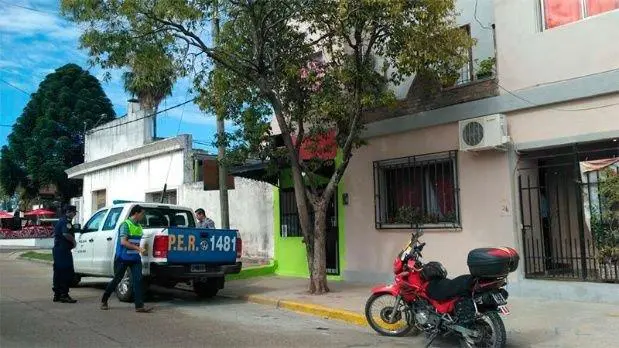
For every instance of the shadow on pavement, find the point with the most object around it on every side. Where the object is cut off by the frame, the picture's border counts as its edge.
(158, 295)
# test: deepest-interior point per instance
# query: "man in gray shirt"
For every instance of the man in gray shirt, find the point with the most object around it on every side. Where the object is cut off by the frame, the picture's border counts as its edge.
(203, 221)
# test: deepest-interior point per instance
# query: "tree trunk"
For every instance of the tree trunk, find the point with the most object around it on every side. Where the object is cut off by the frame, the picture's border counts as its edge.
(318, 265)
(303, 209)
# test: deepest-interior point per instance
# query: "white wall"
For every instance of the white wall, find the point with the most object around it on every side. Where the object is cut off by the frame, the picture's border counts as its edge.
(251, 212)
(131, 181)
(528, 56)
(40, 243)
(122, 134)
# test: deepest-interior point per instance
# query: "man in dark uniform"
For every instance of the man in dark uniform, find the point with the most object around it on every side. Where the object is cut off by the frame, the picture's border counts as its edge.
(64, 241)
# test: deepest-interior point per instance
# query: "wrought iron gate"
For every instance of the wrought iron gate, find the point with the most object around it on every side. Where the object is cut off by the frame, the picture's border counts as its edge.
(557, 206)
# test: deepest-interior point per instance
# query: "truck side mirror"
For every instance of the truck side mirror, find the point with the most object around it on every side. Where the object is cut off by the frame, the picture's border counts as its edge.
(77, 227)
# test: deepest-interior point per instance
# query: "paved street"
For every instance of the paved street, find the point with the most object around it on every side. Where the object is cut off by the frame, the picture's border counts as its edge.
(28, 318)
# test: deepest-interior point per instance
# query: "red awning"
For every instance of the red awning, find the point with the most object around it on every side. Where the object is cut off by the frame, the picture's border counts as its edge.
(39, 212)
(595, 165)
(323, 146)
(5, 215)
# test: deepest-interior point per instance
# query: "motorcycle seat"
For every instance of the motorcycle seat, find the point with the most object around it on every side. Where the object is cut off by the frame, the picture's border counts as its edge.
(445, 289)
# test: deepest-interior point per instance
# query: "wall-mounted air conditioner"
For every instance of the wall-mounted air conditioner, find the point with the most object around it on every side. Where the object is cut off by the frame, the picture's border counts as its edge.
(484, 133)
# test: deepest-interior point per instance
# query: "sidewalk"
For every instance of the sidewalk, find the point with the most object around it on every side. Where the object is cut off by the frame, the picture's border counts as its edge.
(533, 322)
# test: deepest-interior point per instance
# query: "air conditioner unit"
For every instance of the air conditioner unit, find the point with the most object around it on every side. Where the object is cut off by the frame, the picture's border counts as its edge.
(484, 133)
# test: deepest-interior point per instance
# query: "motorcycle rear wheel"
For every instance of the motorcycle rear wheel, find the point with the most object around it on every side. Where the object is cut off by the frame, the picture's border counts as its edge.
(378, 314)
(492, 330)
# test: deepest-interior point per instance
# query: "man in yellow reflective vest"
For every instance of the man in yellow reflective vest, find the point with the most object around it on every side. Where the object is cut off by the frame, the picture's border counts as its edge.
(128, 256)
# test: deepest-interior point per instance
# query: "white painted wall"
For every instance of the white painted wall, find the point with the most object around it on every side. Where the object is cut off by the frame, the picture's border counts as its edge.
(122, 134)
(42, 243)
(133, 180)
(528, 56)
(251, 212)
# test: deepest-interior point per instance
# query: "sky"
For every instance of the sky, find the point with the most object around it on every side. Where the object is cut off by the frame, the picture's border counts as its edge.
(35, 40)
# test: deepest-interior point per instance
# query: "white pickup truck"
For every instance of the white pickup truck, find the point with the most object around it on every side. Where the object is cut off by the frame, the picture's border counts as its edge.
(176, 251)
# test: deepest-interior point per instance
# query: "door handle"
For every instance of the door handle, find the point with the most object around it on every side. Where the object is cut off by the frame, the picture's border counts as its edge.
(109, 239)
(91, 240)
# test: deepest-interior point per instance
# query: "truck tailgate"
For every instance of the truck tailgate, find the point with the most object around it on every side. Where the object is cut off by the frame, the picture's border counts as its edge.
(201, 246)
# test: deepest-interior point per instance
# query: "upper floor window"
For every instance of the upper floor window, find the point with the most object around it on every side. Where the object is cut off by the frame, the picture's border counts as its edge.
(560, 12)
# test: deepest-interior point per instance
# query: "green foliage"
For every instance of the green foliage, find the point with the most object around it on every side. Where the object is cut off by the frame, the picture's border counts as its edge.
(605, 221)
(486, 68)
(47, 138)
(415, 216)
(37, 256)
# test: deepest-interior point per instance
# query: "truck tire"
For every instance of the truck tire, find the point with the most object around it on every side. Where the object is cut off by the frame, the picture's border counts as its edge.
(208, 288)
(77, 278)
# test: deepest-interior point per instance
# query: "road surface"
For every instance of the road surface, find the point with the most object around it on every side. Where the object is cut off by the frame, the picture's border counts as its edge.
(29, 318)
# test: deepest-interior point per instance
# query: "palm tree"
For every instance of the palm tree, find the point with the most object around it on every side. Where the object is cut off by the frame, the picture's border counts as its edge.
(150, 80)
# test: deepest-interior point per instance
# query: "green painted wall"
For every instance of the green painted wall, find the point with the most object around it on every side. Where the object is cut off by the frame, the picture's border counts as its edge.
(290, 251)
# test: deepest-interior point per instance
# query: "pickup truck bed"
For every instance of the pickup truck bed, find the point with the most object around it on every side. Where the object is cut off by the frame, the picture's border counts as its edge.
(198, 254)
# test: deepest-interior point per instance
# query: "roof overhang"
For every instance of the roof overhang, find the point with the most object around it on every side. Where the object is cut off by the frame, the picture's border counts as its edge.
(255, 171)
(150, 150)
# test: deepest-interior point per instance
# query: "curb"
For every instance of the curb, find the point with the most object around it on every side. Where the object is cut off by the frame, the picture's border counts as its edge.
(306, 308)
(252, 272)
(31, 259)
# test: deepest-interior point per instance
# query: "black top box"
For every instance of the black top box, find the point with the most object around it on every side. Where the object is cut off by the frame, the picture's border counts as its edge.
(492, 262)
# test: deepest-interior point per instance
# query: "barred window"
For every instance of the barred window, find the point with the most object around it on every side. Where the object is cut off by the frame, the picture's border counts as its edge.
(417, 192)
(289, 214)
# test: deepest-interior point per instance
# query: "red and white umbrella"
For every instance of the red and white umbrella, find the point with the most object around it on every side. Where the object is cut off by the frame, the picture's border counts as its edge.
(39, 212)
(5, 215)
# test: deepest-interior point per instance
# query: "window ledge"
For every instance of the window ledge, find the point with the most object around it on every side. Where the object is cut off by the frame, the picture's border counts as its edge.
(470, 83)
(432, 227)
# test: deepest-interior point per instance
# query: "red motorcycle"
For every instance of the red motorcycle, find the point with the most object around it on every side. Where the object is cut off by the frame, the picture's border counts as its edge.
(423, 298)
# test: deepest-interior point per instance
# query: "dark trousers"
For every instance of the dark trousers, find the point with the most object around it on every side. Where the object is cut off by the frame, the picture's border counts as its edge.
(120, 267)
(63, 271)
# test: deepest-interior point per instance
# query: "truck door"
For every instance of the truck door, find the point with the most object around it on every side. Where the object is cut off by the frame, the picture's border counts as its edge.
(105, 243)
(83, 252)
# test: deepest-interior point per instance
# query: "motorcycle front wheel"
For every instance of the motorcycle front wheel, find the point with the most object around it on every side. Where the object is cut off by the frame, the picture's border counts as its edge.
(379, 312)
(491, 331)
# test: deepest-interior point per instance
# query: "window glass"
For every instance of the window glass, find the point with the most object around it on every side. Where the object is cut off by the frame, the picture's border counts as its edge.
(112, 218)
(95, 221)
(600, 6)
(167, 217)
(560, 12)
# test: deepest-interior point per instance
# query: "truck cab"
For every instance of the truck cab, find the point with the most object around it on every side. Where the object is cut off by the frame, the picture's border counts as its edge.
(176, 251)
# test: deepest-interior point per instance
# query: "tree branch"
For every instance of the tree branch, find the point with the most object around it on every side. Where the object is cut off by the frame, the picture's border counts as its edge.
(375, 34)
(199, 43)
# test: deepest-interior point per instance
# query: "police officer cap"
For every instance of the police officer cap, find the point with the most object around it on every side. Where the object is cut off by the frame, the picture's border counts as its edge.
(70, 209)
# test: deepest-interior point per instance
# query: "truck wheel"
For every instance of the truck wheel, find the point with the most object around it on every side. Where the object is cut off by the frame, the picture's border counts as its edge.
(207, 289)
(77, 278)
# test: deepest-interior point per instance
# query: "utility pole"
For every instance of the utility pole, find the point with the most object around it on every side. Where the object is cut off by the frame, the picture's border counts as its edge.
(221, 147)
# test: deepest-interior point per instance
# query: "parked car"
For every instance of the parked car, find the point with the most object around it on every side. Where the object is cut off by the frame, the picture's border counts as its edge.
(176, 251)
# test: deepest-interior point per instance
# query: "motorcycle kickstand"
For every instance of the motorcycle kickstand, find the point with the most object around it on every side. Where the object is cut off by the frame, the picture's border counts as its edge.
(432, 338)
